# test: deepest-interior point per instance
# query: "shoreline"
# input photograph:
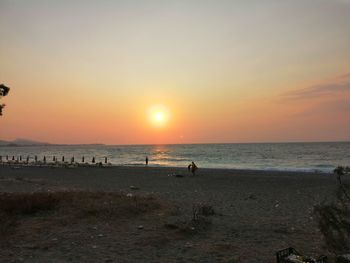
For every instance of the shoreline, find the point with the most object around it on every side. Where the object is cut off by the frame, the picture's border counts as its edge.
(109, 165)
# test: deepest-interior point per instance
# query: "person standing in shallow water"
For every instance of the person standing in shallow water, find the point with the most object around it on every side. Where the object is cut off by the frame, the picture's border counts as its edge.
(146, 160)
(193, 168)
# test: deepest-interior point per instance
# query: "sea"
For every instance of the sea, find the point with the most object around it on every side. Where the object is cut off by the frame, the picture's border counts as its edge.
(307, 157)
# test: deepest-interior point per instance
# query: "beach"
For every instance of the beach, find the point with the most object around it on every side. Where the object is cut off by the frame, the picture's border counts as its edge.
(255, 214)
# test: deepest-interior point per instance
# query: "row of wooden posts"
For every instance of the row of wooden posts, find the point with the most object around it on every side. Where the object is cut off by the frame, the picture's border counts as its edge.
(54, 159)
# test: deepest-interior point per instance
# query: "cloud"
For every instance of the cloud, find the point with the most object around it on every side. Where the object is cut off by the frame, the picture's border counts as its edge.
(336, 86)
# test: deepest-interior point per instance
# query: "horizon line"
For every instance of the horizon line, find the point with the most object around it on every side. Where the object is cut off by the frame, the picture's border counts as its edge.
(39, 143)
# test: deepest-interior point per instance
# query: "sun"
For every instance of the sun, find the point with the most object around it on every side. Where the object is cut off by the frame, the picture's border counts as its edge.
(159, 115)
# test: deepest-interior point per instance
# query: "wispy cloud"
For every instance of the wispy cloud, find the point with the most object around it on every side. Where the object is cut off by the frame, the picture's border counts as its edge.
(333, 87)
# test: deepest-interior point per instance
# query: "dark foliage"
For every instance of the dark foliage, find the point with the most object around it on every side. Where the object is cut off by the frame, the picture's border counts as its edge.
(3, 92)
(340, 171)
(334, 218)
(334, 223)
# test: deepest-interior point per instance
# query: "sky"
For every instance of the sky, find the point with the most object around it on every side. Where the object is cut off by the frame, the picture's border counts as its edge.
(154, 72)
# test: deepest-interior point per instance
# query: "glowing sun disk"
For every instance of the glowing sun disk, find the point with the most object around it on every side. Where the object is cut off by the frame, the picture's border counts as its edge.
(158, 115)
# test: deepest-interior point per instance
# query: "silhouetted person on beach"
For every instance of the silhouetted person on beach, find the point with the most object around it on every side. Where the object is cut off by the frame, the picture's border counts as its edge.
(105, 159)
(146, 160)
(192, 167)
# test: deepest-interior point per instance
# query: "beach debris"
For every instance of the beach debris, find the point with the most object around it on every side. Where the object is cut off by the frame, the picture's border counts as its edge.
(251, 197)
(171, 225)
(292, 256)
(140, 227)
(188, 245)
(176, 175)
(132, 187)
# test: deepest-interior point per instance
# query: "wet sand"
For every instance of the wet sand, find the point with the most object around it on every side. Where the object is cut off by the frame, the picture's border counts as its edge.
(256, 214)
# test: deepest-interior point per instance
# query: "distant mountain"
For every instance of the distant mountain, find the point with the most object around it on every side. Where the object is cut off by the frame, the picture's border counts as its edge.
(22, 142)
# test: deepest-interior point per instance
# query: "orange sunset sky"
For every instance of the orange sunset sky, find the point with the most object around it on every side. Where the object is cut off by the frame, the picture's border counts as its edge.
(136, 72)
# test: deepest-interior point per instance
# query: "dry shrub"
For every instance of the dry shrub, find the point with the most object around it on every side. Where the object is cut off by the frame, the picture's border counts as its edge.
(334, 223)
(108, 205)
(27, 203)
(72, 206)
(7, 224)
(202, 209)
(199, 222)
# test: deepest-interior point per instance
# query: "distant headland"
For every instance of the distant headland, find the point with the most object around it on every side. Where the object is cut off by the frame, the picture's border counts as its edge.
(20, 142)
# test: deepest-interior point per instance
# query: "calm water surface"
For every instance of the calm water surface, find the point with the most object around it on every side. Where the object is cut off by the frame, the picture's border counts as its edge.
(263, 156)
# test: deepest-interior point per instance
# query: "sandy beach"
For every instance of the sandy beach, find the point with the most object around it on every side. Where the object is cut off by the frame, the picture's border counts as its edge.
(256, 213)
